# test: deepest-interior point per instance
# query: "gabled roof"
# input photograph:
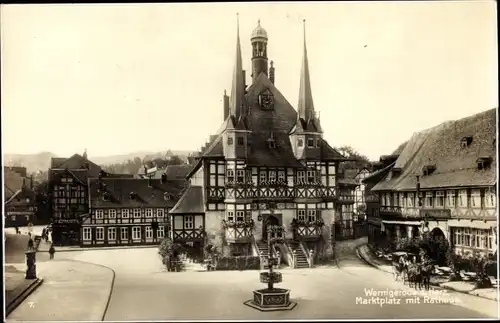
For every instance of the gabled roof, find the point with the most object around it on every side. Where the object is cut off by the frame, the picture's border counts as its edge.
(190, 202)
(260, 154)
(76, 162)
(20, 196)
(441, 146)
(177, 172)
(379, 174)
(18, 169)
(55, 162)
(119, 192)
(13, 182)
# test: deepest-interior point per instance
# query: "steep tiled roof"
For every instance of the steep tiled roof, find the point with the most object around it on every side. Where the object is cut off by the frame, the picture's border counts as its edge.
(76, 162)
(400, 148)
(260, 154)
(13, 182)
(18, 169)
(441, 146)
(119, 192)
(56, 161)
(190, 202)
(378, 174)
(177, 172)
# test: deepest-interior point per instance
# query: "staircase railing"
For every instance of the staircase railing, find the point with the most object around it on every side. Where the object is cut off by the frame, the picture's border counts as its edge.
(307, 254)
(292, 261)
(255, 247)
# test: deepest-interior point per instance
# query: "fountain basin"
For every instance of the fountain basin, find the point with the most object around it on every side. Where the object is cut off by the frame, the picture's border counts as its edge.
(276, 299)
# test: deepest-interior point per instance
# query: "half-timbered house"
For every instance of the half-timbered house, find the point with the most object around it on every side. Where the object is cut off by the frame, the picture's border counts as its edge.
(128, 211)
(20, 209)
(444, 182)
(268, 166)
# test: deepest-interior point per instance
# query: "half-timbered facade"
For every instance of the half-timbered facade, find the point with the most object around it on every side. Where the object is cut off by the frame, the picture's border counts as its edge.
(125, 211)
(268, 165)
(444, 181)
(20, 209)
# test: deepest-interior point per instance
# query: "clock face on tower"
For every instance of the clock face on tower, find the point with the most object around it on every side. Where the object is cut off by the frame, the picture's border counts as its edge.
(266, 100)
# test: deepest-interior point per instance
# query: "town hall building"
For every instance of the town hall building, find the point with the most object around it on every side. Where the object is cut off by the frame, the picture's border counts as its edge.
(268, 166)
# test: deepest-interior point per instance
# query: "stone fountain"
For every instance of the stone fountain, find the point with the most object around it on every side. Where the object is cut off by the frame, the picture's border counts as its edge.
(271, 298)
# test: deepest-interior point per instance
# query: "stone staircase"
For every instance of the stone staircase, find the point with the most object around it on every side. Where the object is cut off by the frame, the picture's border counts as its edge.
(299, 254)
(263, 249)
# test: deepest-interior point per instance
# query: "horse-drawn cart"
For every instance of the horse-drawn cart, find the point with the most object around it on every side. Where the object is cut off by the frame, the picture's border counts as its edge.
(400, 261)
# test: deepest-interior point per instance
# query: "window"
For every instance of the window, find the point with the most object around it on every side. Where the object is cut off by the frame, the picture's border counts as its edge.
(188, 222)
(300, 142)
(310, 142)
(272, 176)
(136, 233)
(87, 234)
(428, 199)
(262, 176)
(311, 215)
(229, 141)
(160, 213)
(301, 178)
(230, 175)
(240, 216)
(99, 233)
(230, 216)
(112, 214)
(311, 176)
(240, 176)
(317, 142)
(395, 199)
(137, 213)
(451, 199)
(111, 234)
(124, 234)
(439, 199)
(281, 176)
(149, 213)
(475, 198)
(474, 238)
(490, 199)
(402, 199)
(301, 215)
(462, 198)
(149, 232)
(241, 141)
(161, 232)
(99, 214)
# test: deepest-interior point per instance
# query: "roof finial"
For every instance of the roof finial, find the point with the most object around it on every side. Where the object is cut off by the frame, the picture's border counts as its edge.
(238, 24)
(258, 22)
(304, 27)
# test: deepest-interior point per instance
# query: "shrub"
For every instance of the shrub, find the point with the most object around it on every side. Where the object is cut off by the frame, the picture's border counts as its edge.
(168, 250)
(238, 263)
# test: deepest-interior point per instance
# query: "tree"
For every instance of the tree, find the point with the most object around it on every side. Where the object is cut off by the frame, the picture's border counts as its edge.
(359, 160)
(42, 201)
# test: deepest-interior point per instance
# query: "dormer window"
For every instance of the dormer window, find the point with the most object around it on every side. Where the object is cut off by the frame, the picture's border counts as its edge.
(466, 141)
(105, 196)
(241, 141)
(317, 142)
(230, 141)
(428, 169)
(310, 142)
(300, 142)
(132, 195)
(166, 196)
(271, 143)
(483, 163)
(396, 171)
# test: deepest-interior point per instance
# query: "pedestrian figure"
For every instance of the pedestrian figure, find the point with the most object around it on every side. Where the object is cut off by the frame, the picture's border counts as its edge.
(44, 232)
(52, 251)
(17, 230)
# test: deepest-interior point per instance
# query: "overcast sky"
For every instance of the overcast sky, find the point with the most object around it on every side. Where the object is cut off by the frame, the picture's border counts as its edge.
(123, 78)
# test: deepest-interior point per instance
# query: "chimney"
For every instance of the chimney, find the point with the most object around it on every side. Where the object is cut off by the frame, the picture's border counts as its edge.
(271, 72)
(24, 182)
(226, 105)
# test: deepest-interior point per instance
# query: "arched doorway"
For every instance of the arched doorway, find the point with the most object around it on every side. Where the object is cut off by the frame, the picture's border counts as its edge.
(414, 232)
(269, 221)
(437, 246)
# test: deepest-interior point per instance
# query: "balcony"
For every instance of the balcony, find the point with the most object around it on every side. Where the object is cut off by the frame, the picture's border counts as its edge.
(435, 213)
(345, 198)
(307, 230)
(390, 211)
(238, 232)
(188, 235)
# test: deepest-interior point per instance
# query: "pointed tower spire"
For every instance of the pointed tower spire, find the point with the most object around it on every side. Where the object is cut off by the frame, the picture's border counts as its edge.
(238, 84)
(306, 105)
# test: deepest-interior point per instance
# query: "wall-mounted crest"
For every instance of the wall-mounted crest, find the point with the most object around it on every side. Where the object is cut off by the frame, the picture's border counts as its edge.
(266, 100)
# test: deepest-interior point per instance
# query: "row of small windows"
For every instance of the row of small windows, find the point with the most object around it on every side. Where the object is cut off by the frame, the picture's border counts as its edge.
(310, 142)
(472, 238)
(126, 213)
(124, 233)
(439, 199)
(271, 176)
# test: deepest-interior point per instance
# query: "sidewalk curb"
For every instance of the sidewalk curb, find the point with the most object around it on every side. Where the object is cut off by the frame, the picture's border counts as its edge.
(437, 285)
(9, 308)
(112, 285)
(102, 248)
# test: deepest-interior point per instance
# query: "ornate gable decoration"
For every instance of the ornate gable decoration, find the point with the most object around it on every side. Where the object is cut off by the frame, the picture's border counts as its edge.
(266, 100)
